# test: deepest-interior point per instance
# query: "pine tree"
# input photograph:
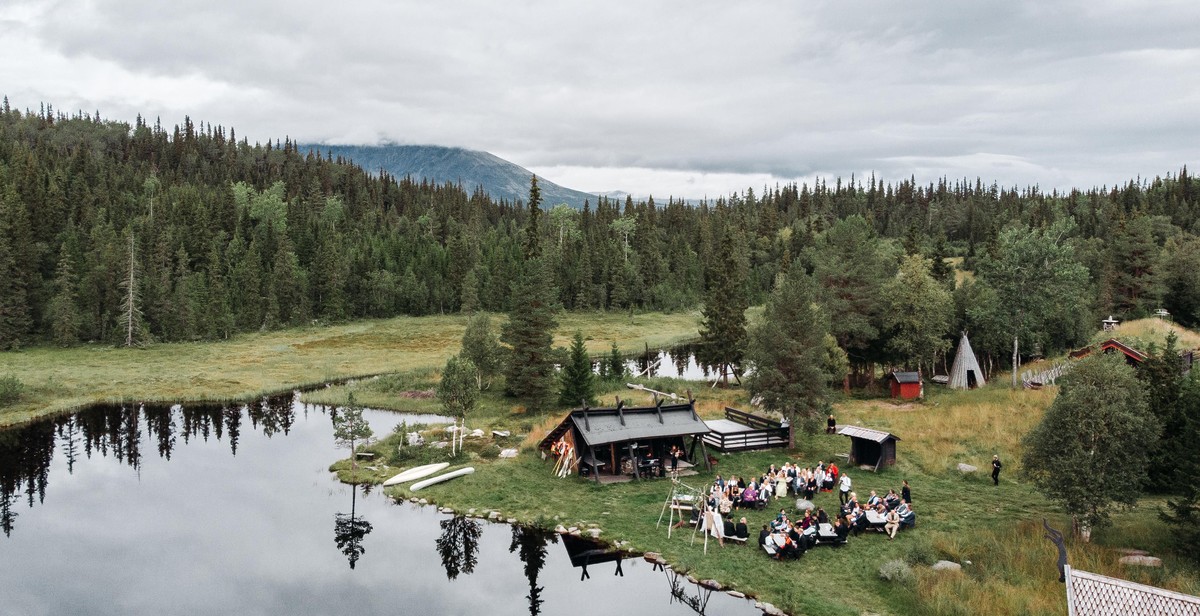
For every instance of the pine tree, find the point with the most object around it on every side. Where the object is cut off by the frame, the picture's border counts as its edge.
(1164, 385)
(350, 428)
(577, 381)
(218, 322)
(529, 332)
(788, 350)
(469, 299)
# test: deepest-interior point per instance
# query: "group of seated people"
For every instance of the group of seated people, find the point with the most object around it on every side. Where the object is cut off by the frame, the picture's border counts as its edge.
(891, 513)
(775, 483)
(784, 537)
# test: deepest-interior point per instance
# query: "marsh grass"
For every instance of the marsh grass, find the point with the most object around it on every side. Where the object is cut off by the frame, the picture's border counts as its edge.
(249, 365)
(949, 426)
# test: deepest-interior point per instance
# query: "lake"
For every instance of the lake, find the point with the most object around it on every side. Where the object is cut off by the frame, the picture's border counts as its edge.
(678, 362)
(202, 510)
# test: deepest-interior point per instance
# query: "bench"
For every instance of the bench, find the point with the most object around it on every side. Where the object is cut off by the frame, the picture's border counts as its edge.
(826, 535)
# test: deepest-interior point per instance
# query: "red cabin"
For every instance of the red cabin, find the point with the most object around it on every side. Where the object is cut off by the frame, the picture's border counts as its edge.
(906, 385)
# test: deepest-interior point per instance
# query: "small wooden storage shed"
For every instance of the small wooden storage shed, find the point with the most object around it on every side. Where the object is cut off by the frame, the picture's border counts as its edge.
(870, 447)
(905, 385)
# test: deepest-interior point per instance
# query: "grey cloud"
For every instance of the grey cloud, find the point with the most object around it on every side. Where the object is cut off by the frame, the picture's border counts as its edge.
(1081, 92)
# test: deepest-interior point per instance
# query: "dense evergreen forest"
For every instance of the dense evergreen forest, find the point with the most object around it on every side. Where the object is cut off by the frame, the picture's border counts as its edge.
(130, 234)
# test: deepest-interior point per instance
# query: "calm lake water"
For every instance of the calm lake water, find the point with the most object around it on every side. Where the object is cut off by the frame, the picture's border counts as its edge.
(233, 511)
(677, 362)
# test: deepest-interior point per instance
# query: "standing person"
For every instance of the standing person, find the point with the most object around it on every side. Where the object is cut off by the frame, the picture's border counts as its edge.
(906, 493)
(675, 453)
(845, 488)
(996, 465)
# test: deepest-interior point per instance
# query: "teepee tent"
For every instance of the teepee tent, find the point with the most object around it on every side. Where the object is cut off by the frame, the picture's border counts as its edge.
(966, 373)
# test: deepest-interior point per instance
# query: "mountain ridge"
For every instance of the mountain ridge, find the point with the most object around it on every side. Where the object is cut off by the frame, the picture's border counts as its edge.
(500, 178)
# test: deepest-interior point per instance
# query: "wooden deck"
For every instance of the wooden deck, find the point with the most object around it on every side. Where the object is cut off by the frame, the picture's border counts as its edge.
(742, 431)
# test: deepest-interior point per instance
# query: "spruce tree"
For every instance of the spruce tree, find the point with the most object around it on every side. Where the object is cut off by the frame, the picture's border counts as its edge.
(529, 375)
(723, 331)
(533, 245)
(64, 307)
(615, 364)
(15, 319)
(578, 382)
(1183, 512)
(1164, 384)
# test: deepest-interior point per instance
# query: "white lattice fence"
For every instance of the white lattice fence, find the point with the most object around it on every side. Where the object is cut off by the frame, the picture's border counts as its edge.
(1090, 594)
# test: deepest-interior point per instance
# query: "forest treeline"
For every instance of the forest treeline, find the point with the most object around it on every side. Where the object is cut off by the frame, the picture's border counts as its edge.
(114, 232)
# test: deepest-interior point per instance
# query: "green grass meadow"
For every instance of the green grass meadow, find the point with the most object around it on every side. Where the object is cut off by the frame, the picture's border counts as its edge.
(249, 365)
(961, 517)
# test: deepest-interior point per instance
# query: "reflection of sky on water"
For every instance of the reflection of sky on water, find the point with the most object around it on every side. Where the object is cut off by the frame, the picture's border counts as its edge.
(209, 532)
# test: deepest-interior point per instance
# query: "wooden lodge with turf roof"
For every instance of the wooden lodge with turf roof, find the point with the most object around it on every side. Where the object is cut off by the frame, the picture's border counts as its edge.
(1133, 357)
(620, 443)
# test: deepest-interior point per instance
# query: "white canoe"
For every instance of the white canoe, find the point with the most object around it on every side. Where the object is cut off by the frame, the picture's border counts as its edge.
(416, 473)
(440, 478)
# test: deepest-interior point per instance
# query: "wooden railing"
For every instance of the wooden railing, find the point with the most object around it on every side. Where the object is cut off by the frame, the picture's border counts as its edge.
(764, 434)
(753, 421)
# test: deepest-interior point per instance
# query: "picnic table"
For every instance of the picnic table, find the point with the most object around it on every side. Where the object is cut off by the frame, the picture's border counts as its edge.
(875, 520)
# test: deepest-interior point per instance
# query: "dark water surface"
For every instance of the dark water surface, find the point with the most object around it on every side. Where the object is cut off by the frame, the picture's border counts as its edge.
(678, 362)
(233, 511)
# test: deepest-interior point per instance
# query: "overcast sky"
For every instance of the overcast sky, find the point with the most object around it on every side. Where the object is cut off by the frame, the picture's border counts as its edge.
(683, 98)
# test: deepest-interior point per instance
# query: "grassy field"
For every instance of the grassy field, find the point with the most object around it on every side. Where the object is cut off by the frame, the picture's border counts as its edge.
(961, 517)
(249, 365)
(1141, 333)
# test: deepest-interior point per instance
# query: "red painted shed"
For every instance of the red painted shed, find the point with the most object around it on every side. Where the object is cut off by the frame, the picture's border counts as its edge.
(906, 385)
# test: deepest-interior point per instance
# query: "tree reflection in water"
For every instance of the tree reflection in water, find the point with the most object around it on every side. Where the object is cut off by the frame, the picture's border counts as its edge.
(679, 592)
(458, 545)
(119, 432)
(531, 543)
(349, 531)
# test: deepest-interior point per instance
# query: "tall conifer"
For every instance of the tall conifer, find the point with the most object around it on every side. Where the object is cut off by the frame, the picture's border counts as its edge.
(723, 331)
(529, 376)
(578, 382)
